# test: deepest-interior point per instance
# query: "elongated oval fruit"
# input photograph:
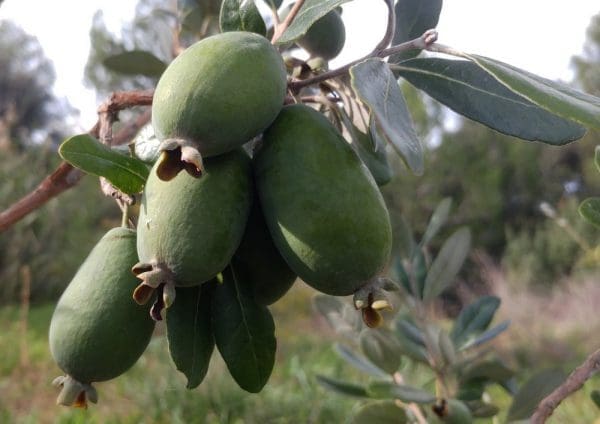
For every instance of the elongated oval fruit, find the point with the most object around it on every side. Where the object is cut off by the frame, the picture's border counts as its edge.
(259, 263)
(321, 204)
(326, 37)
(216, 95)
(97, 331)
(189, 228)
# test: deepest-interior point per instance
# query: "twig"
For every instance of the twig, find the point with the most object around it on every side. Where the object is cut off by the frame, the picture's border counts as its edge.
(415, 409)
(66, 176)
(420, 43)
(574, 382)
(280, 29)
(390, 29)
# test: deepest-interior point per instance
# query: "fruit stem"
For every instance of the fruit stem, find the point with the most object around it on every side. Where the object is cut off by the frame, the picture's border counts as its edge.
(125, 216)
(425, 41)
(280, 29)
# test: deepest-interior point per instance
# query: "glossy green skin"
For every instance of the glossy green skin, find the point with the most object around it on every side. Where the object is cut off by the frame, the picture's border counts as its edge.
(321, 204)
(326, 37)
(97, 331)
(194, 225)
(259, 263)
(220, 92)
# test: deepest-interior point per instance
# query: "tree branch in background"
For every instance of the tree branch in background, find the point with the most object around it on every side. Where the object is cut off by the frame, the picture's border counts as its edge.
(574, 382)
(280, 29)
(66, 176)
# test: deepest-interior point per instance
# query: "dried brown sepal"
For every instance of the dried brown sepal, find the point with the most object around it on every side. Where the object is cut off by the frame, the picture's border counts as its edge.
(371, 317)
(143, 293)
(74, 393)
(178, 155)
(140, 267)
(158, 306)
(440, 408)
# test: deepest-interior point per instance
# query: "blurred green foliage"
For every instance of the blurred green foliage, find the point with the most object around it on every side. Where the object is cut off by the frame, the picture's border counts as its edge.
(48, 245)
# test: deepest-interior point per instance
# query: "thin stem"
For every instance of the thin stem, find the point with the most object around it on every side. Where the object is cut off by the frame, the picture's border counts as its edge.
(126, 214)
(66, 176)
(420, 43)
(574, 382)
(390, 29)
(280, 29)
(416, 410)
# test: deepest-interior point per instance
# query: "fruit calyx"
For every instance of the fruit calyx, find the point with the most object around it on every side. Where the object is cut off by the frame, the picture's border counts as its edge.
(370, 299)
(176, 155)
(156, 278)
(74, 393)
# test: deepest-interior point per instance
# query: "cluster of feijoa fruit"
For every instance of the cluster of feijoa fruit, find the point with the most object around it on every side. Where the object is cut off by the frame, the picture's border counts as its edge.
(224, 229)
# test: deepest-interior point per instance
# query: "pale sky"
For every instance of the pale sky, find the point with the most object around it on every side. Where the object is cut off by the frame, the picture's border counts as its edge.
(537, 35)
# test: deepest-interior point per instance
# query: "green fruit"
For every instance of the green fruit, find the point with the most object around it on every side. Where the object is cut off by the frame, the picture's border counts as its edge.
(215, 96)
(321, 204)
(97, 331)
(258, 260)
(188, 228)
(326, 37)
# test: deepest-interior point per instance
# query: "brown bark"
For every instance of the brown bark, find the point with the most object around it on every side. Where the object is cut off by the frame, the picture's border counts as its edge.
(66, 176)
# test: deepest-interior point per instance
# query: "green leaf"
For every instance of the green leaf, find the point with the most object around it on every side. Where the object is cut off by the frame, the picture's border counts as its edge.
(390, 390)
(189, 332)
(244, 333)
(309, 13)
(597, 157)
(595, 396)
(481, 409)
(406, 327)
(342, 387)
(491, 369)
(446, 348)
(377, 87)
(360, 362)
(446, 265)
(474, 318)
(487, 335)
(146, 145)
(590, 210)
(342, 317)
(381, 412)
(550, 95)
(471, 91)
(413, 18)
(371, 149)
(382, 349)
(419, 268)
(241, 15)
(88, 154)
(532, 392)
(437, 220)
(136, 62)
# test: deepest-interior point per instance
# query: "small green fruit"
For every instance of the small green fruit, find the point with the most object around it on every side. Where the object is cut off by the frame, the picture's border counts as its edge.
(97, 331)
(215, 96)
(188, 228)
(321, 204)
(326, 37)
(258, 260)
